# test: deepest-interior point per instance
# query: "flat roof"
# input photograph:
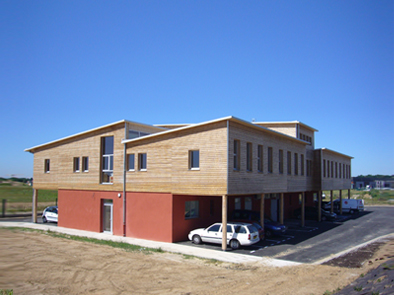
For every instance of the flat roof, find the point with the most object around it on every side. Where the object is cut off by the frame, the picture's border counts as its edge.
(335, 152)
(287, 123)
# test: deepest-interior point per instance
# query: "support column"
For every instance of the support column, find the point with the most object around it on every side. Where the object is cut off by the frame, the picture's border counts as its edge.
(224, 222)
(34, 206)
(332, 202)
(262, 201)
(340, 202)
(282, 206)
(302, 209)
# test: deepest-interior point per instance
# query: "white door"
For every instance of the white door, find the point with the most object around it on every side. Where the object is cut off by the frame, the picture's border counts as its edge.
(107, 216)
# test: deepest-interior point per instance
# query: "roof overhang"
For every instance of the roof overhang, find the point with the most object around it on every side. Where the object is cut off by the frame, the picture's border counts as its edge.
(335, 152)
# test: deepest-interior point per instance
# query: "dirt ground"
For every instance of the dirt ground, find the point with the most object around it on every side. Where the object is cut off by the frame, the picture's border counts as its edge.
(35, 263)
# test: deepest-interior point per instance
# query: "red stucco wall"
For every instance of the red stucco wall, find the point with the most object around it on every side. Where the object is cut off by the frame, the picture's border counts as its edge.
(83, 210)
(149, 216)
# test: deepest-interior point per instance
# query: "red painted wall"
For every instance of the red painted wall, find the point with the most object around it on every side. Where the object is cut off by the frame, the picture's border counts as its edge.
(182, 226)
(149, 216)
(83, 210)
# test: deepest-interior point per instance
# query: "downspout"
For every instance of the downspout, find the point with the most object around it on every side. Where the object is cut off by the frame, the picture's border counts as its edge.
(124, 180)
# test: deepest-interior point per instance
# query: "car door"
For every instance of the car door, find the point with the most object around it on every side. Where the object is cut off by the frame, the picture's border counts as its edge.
(230, 233)
(211, 234)
(51, 214)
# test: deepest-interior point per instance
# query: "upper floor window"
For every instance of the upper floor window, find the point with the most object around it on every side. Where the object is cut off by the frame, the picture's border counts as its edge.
(76, 164)
(194, 160)
(130, 162)
(340, 170)
(302, 165)
(281, 161)
(249, 156)
(236, 154)
(295, 164)
(270, 158)
(260, 158)
(107, 161)
(47, 166)
(289, 163)
(324, 168)
(142, 162)
(85, 164)
(135, 134)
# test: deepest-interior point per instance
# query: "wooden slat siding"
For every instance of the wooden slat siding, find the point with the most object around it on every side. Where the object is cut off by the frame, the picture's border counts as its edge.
(168, 162)
(61, 157)
(143, 128)
(333, 183)
(288, 129)
(244, 182)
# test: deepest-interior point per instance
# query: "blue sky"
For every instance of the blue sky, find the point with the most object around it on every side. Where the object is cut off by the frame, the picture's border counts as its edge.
(69, 66)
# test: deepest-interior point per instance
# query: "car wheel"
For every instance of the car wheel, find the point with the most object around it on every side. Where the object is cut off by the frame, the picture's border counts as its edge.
(234, 244)
(268, 233)
(44, 220)
(196, 239)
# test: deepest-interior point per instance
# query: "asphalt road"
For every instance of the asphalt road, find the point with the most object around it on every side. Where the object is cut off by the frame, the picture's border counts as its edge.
(319, 240)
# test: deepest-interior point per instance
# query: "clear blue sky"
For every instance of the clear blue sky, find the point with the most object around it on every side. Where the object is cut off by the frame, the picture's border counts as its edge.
(69, 66)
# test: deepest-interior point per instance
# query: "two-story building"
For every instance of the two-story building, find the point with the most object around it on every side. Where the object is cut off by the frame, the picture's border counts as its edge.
(159, 182)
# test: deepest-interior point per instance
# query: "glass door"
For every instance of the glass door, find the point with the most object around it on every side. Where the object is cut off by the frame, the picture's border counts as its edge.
(107, 216)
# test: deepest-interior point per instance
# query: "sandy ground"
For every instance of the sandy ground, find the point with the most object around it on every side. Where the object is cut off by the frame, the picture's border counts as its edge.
(35, 263)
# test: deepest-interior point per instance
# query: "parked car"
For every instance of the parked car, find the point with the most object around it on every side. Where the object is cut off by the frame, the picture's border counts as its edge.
(238, 234)
(257, 226)
(50, 214)
(270, 227)
(312, 213)
(350, 206)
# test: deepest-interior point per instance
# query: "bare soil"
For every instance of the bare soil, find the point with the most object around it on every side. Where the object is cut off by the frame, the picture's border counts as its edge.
(36, 263)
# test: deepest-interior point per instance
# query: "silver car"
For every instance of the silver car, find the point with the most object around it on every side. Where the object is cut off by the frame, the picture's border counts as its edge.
(50, 214)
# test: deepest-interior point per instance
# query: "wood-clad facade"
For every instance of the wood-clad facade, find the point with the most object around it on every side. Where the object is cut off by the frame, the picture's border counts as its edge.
(172, 178)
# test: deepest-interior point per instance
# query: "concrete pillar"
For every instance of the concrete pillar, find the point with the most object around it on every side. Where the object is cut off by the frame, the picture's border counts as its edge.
(262, 201)
(332, 202)
(224, 222)
(34, 206)
(302, 209)
(282, 209)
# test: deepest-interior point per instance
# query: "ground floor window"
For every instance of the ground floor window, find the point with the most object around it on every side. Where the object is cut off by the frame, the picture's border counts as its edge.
(191, 209)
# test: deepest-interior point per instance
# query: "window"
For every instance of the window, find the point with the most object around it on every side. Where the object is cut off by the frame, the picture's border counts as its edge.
(249, 156)
(303, 165)
(281, 161)
(248, 203)
(135, 134)
(289, 163)
(332, 169)
(194, 160)
(191, 209)
(324, 168)
(214, 228)
(295, 163)
(260, 158)
(270, 160)
(107, 163)
(47, 166)
(237, 202)
(76, 164)
(142, 162)
(130, 162)
(340, 170)
(236, 154)
(344, 170)
(336, 169)
(85, 164)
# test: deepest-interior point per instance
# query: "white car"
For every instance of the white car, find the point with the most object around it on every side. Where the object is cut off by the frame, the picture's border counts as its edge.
(50, 214)
(238, 234)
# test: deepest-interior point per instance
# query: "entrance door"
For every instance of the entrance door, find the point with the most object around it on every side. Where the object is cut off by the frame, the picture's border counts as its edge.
(274, 209)
(107, 216)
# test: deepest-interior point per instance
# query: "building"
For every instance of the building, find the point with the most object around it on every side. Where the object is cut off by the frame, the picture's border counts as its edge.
(159, 182)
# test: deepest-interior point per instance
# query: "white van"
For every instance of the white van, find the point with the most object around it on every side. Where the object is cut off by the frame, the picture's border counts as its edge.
(352, 205)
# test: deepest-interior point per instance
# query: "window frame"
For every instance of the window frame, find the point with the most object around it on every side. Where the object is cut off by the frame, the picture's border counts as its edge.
(192, 205)
(107, 160)
(237, 155)
(47, 165)
(270, 160)
(260, 154)
(302, 165)
(249, 157)
(128, 162)
(280, 161)
(76, 164)
(192, 154)
(295, 163)
(85, 164)
(142, 162)
(289, 163)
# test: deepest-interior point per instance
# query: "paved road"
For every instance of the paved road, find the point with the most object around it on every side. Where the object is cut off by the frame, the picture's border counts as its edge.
(317, 241)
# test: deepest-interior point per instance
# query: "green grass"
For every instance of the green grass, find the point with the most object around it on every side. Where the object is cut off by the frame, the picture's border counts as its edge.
(6, 292)
(372, 197)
